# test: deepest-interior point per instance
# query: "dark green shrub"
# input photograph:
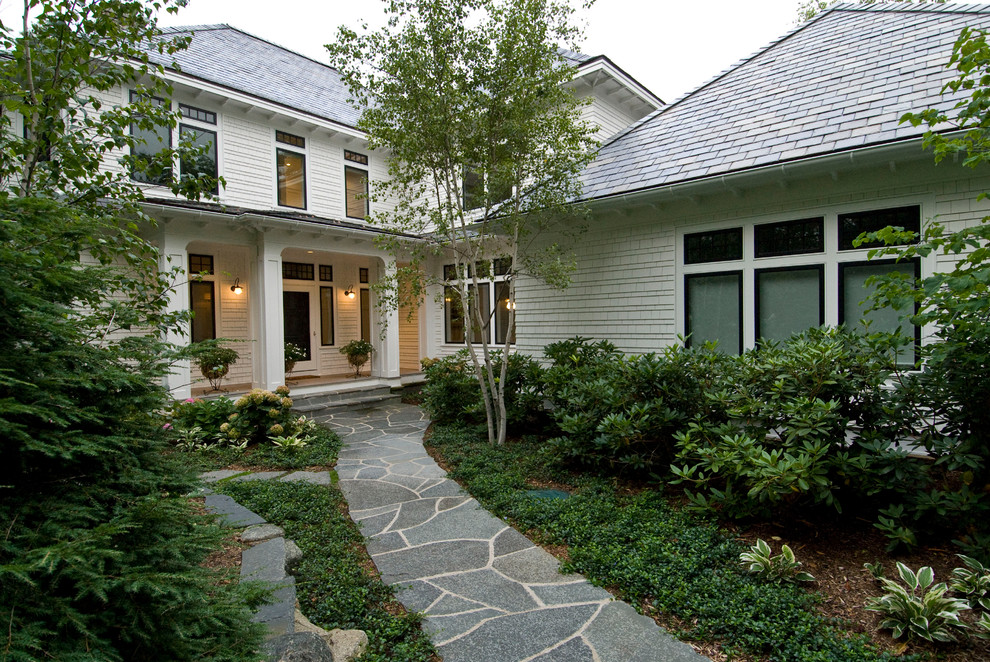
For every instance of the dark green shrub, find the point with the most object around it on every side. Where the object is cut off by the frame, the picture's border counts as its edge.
(810, 422)
(213, 358)
(206, 414)
(452, 394)
(620, 412)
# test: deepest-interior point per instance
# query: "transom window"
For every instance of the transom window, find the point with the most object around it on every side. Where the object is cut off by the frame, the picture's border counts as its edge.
(790, 237)
(854, 224)
(326, 272)
(289, 139)
(198, 114)
(714, 246)
(297, 271)
(200, 264)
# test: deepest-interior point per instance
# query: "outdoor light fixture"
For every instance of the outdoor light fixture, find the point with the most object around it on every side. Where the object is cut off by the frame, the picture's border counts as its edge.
(236, 287)
(510, 305)
(349, 293)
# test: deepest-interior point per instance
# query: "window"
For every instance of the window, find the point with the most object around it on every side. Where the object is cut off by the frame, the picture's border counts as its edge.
(854, 304)
(200, 264)
(363, 274)
(204, 164)
(855, 224)
(496, 316)
(790, 237)
(198, 114)
(714, 310)
(326, 273)
(290, 167)
(150, 141)
(204, 316)
(297, 271)
(356, 192)
(769, 280)
(476, 186)
(326, 316)
(788, 300)
(716, 246)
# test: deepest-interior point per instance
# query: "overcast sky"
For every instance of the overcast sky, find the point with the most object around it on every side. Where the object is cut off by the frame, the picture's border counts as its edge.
(669, 46)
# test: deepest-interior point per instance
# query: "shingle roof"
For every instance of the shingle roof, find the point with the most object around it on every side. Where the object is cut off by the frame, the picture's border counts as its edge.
(240, 61)
(841, 81)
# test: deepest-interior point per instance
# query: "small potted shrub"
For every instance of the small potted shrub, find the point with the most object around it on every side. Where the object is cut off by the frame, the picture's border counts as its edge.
(357, 352)
(293, 353)
(213, 359)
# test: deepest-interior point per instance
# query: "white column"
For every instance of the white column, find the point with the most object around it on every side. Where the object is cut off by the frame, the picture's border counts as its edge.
(172, 254)
(266, 307)
(386, 362)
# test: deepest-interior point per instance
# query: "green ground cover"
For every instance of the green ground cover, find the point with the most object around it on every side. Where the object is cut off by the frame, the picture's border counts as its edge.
(649, 553)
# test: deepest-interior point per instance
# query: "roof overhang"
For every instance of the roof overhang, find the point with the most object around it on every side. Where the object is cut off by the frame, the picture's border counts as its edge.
(599, 69)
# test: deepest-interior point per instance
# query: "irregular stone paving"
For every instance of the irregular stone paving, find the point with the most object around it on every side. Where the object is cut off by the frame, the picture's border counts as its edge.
(489, 594)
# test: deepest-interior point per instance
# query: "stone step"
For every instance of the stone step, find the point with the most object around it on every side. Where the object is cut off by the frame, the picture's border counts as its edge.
(318, 401)
(325, 412)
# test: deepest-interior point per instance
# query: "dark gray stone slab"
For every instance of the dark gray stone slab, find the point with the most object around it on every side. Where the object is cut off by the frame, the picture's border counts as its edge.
(417, 595)
(265, 561)
(619, 634)
(279, 615)
(260, 475)
(444, 628)
(518, 636)
(467, 521)
(298, 647)
(370, 473)
(428, 560)
(488, 588)
(444, 488)
(414, 513)
(575, 650)
(372, 526)
(510, 541)
(452, 604)
(385, 542)
(214, 476)
(367, 494)
(260, 532)
(314, 477)
(565, 594)
(414, 483)
(531, 566)
(231, 513)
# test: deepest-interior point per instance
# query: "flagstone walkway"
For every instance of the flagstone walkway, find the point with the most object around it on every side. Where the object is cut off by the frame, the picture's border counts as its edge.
(489, 594)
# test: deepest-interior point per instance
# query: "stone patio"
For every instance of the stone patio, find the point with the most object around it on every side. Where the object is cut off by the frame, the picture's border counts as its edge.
(488, 593)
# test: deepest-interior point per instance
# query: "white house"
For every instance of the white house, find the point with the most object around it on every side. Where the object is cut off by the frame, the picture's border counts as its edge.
(285, 254)
(727, 215)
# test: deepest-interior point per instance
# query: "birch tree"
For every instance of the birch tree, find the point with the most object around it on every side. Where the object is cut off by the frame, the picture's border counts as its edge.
(470, 100)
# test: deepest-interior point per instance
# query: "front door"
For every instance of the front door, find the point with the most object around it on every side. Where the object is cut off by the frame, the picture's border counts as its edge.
(297, 326)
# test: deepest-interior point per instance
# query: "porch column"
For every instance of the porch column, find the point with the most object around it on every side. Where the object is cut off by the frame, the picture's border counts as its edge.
(172, 253)
(388, 347)
(266, 302)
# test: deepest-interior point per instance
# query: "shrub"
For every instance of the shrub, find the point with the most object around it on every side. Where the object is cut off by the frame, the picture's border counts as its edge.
(921, 609)
(206, 414)
(809, 421)
(618, 412)
(452, 394)
(261, 414)
(213, 359)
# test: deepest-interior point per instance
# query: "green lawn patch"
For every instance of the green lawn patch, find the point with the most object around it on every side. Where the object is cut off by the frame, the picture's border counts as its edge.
(651, 554)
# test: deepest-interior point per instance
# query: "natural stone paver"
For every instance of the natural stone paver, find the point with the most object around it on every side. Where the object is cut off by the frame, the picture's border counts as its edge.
(314, 477)
(489, 595)
(231, 512)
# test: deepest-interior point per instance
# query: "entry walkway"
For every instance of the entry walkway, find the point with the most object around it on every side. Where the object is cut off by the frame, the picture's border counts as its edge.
(489, 594)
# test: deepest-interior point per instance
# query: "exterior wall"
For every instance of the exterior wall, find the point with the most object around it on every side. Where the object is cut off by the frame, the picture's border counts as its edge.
(609, 117)
(628, 287)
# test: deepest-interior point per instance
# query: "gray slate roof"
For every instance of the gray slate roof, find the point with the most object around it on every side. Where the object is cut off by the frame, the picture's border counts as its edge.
(240, 61)
(839, 82)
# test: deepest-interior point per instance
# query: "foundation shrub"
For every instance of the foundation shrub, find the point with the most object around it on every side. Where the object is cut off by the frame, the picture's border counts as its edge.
(452, 394)
(809, 423)
(261, 415)
(622, 412)
(206, 414)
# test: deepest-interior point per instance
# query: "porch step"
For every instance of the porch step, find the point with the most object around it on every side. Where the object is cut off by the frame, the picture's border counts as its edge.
(320, 403)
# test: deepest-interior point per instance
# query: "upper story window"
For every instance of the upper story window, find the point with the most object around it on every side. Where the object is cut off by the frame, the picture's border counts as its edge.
(714, 246)
(356, 184)
(790, 237)
(290, 170)
(855, 224)
(193, 128)
(149, 142)
(475, 188)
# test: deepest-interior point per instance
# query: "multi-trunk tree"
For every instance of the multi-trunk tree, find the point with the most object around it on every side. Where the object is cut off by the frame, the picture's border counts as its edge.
(470, 100)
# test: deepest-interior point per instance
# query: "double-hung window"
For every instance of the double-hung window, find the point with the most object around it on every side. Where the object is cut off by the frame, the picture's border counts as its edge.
(355, 185)
(290, 170)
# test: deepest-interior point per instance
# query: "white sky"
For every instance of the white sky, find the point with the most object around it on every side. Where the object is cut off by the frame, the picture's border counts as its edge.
(670, 46)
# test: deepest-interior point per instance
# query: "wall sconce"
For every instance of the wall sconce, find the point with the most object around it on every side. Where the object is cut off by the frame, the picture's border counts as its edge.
(510, 305)
(236, 287)
(349, 292)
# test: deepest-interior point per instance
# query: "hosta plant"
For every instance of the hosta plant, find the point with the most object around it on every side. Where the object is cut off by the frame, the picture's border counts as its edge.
(919, 609)
(760, 561)
(973, 582)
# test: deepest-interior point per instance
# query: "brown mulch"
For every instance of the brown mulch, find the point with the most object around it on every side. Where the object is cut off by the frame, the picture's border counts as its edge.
(228, 557)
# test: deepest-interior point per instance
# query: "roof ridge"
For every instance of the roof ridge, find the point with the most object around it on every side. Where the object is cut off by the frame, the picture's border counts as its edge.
(909, 7)
(227, 26)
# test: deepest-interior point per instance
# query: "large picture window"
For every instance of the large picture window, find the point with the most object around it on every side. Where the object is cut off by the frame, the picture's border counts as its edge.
(769, 279)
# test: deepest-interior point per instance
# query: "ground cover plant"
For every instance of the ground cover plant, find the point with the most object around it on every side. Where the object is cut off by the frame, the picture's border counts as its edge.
(335, 581)
(667, 561)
